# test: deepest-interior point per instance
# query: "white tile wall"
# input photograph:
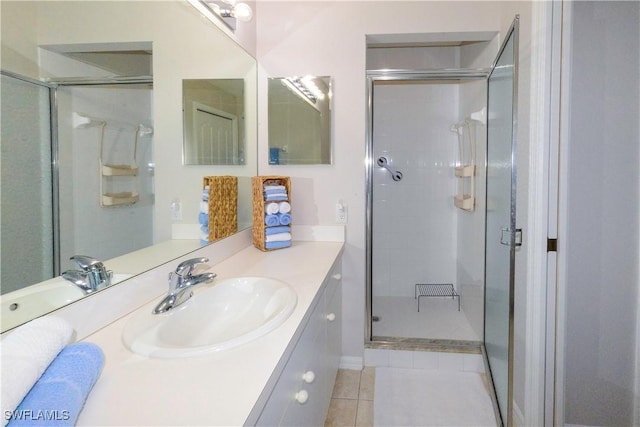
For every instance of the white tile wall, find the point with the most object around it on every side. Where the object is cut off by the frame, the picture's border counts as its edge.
(414, 236)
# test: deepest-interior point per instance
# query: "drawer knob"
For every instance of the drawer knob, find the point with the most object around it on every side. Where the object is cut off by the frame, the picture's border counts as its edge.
(302, 396)
(337, 276)
(308, 377)
(331, 317)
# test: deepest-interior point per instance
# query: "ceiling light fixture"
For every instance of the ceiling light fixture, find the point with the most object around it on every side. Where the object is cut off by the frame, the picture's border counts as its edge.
(226, 11)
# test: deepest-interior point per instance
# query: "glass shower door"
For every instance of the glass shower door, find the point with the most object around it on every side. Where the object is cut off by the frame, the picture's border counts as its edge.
(27, 200)
(501, 233)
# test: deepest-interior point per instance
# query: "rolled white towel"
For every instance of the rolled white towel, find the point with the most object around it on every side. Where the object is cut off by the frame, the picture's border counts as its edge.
(204, 207)
(26, 353)
(272, 208)
(284, 207)
(280, 237)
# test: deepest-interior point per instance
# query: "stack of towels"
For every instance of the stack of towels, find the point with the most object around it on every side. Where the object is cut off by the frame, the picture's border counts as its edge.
(44, 380)
(277, 217)
(203, 216)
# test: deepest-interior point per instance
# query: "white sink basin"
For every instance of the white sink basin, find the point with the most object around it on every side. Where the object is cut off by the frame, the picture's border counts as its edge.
(33, 301)
(230, 313)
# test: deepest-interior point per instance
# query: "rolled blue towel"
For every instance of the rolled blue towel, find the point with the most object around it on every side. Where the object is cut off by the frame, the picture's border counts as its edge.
(284, 219)
(278, 245)
(204, 229)
(61, 391)
(276, 230)
(271, 220)
(203, 219)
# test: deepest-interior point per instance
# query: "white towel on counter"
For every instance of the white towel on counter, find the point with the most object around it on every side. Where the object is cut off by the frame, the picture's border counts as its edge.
(26, 353)
(272, 208)
(279, 237)
(284, 207)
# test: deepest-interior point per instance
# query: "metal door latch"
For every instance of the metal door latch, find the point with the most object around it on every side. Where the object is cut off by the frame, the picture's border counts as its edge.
(505, 236)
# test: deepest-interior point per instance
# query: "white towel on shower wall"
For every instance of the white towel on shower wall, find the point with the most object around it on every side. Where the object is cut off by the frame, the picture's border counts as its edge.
(26, 353)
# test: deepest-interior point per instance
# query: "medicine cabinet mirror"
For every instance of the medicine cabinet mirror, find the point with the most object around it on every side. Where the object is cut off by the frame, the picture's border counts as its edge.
(299, 110)
(214, 122)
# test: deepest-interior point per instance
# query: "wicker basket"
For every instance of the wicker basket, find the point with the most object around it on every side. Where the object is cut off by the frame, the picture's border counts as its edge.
(223, 206)
(257, 183)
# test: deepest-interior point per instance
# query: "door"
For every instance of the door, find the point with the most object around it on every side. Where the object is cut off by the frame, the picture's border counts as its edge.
(27, 187)
(501, 234)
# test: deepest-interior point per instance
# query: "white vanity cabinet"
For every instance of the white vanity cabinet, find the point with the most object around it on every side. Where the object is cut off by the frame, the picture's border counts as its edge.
(302, 392)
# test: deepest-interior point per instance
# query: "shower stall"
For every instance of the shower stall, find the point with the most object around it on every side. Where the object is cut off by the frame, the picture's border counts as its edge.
(428, 220)
(58, 140)
(441, 179)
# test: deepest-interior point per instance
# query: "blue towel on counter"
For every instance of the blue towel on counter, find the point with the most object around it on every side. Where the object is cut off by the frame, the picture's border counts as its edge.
(57, 398)
(205, 194)
(268, 187)
(277, 245)
(203, 219)
(205, 229)
(275, 191)
(276, 230)
(281, 197)
(271, 220)
(284, 219)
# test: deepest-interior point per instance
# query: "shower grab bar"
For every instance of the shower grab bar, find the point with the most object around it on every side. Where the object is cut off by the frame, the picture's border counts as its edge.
(383, 162)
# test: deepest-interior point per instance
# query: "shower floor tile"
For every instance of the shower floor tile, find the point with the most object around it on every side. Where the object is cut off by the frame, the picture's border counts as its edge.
(438, 318)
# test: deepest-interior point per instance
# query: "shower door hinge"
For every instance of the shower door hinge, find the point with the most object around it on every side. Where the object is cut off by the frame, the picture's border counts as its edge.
(552, 245)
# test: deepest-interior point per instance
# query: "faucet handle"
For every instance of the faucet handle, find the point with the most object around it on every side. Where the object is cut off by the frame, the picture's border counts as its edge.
(185, 268)
(86, 263)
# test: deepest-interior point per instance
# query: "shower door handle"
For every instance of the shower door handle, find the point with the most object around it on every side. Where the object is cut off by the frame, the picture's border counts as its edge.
(505, 236)
(383, 162)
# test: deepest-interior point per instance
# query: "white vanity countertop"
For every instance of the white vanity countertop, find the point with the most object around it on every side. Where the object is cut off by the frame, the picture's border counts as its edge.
(217, 389)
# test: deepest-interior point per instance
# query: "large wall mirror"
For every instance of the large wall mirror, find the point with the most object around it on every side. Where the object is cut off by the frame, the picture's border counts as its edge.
(100, 172)
(299, 120)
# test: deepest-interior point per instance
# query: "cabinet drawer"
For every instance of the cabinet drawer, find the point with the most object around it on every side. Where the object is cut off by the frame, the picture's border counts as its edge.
(289, 382)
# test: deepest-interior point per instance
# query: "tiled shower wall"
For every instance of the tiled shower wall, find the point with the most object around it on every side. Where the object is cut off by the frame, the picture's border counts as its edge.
(414, 220)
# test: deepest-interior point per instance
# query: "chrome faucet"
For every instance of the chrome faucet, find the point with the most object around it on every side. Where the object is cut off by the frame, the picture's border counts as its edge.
(91, 276)
(181, 283)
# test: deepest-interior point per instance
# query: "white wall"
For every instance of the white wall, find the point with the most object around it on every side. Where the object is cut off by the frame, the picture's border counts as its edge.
(328, 38)
(600, 226)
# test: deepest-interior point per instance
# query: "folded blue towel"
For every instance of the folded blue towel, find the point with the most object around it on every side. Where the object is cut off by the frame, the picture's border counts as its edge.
(57, 398)
(284, 219)
(277, 245)
(268, 187)
(275, 191)
(276, 230)
(275, 197)
(203, 219)
(204, 242)
(271, 220)
(204, 229)
(205, 194)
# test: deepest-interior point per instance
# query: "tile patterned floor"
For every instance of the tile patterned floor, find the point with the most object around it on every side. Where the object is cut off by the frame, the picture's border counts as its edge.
(352, 400)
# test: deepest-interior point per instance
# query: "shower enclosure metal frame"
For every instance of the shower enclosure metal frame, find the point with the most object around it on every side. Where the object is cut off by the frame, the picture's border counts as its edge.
(53, 130)
(370, 164)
